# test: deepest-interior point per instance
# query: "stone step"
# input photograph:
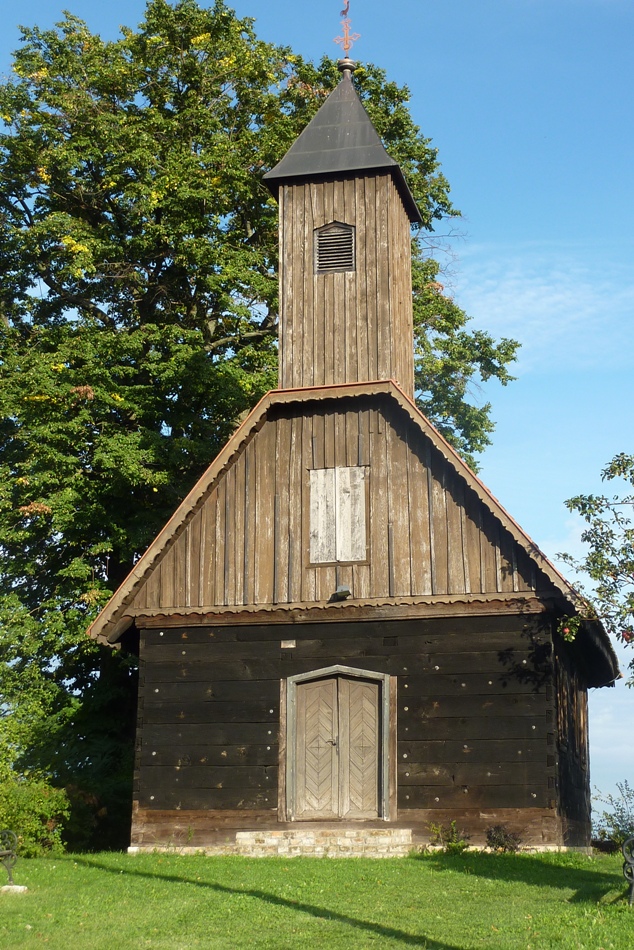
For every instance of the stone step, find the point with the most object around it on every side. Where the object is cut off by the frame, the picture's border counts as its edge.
(329, 842)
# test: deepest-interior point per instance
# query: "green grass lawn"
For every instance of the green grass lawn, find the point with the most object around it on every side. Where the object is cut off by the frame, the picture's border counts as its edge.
(117, 901)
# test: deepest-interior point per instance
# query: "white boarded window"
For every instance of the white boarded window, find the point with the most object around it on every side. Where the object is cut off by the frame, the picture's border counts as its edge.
(338, 514)
(334, 248)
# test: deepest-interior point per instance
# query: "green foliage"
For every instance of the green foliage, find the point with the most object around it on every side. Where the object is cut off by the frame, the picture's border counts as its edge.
(616, 822)
(568, 627)
(448, 837)
(609, 562)
(138, 320)
(35, 811)
(499, 838)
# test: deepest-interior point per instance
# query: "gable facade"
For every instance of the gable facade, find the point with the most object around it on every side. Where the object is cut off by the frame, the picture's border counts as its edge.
(342, 634)
(426, 534)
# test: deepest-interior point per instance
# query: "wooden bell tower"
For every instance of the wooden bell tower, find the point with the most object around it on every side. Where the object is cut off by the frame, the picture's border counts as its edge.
(345, 252)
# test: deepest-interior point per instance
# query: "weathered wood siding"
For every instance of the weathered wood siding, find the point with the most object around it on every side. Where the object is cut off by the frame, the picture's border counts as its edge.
(357, 325)
(475, 713)
(572, 744)
(248, 543)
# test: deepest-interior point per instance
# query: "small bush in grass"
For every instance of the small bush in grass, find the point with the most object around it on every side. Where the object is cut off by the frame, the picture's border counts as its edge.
(616, 823)
(449, 838)
(36, 812)
(499, 838)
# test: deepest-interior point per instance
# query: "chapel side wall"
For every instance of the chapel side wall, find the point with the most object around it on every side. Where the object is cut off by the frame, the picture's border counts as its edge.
(353, 326)
(475, 723)
(575, 801)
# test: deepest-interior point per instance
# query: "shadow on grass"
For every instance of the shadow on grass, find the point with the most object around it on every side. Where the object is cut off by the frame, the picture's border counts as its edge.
(587, 884)
(324, 913)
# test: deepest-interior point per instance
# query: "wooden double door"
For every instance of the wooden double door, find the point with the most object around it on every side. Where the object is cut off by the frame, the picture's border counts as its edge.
(338, 753)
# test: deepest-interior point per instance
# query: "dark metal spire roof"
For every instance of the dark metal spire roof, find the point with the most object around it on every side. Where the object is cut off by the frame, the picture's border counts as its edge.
(338, 140)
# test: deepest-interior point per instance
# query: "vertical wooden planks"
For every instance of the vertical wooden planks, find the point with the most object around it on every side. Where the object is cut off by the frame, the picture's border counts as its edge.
(384, 329)
(371, 276)
(525, 571)
(430, 509)
(282, 502)
(195, 554)
(220, 541)
(295, 520)
(326, 576)
(287, 287)
(306, 357)
(248, 587)
(361, 572)
(471, 534)
(401, 316)
(317, 369)
(229, 545)
(327, 283)
(506, 562)
(299, 269)
(438, 511)
(488, 549)
(339, 304)
(351, 367)
(166, 596)
(454, 500)
(418, 501)
(265, 513)
(379, 531)
(208, 545)
(237, 517)
(362, 305)
(153, 588)
(307, 463)
(398, 504)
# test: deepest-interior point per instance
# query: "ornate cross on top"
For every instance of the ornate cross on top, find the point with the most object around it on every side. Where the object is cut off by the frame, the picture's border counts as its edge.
(348, 39)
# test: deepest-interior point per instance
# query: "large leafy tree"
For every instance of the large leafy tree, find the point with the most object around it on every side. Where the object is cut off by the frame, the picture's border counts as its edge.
(138, 316)
(609, 558)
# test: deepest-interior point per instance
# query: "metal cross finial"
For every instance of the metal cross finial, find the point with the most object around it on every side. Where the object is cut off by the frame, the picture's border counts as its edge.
(348, 39)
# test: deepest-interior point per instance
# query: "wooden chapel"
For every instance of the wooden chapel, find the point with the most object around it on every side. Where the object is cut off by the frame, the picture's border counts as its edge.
(343, 636)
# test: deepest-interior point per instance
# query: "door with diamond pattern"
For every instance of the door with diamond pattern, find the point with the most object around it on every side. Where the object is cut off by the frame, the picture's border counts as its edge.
(337, 749)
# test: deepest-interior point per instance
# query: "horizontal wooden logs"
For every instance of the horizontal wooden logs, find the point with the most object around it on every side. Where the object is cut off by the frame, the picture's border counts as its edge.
(471, 773)
(209, 754)
(472, 727)
(235, 798)
(452, 751)
(414, 668)
(209, 776)
(211, 711)
(473, 701)
(156, 735)
(488, 796)
(442, 635)
(190, 689)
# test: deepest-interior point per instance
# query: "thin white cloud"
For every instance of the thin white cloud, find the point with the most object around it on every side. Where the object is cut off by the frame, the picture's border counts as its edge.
(559, 305)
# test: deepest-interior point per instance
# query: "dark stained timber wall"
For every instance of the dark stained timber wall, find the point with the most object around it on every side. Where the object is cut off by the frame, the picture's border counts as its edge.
(475, 724)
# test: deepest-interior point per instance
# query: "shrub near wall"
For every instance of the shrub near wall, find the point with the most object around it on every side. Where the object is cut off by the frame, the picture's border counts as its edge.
(36, 812)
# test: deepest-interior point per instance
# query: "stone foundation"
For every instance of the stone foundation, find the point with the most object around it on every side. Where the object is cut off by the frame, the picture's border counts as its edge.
(326, 843)
(329, 843)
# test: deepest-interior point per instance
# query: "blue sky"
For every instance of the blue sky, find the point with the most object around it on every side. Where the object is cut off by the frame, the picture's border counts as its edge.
(529, 105)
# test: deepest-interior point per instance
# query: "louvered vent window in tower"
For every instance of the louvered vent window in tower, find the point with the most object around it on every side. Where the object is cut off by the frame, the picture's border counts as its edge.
(334, 248)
